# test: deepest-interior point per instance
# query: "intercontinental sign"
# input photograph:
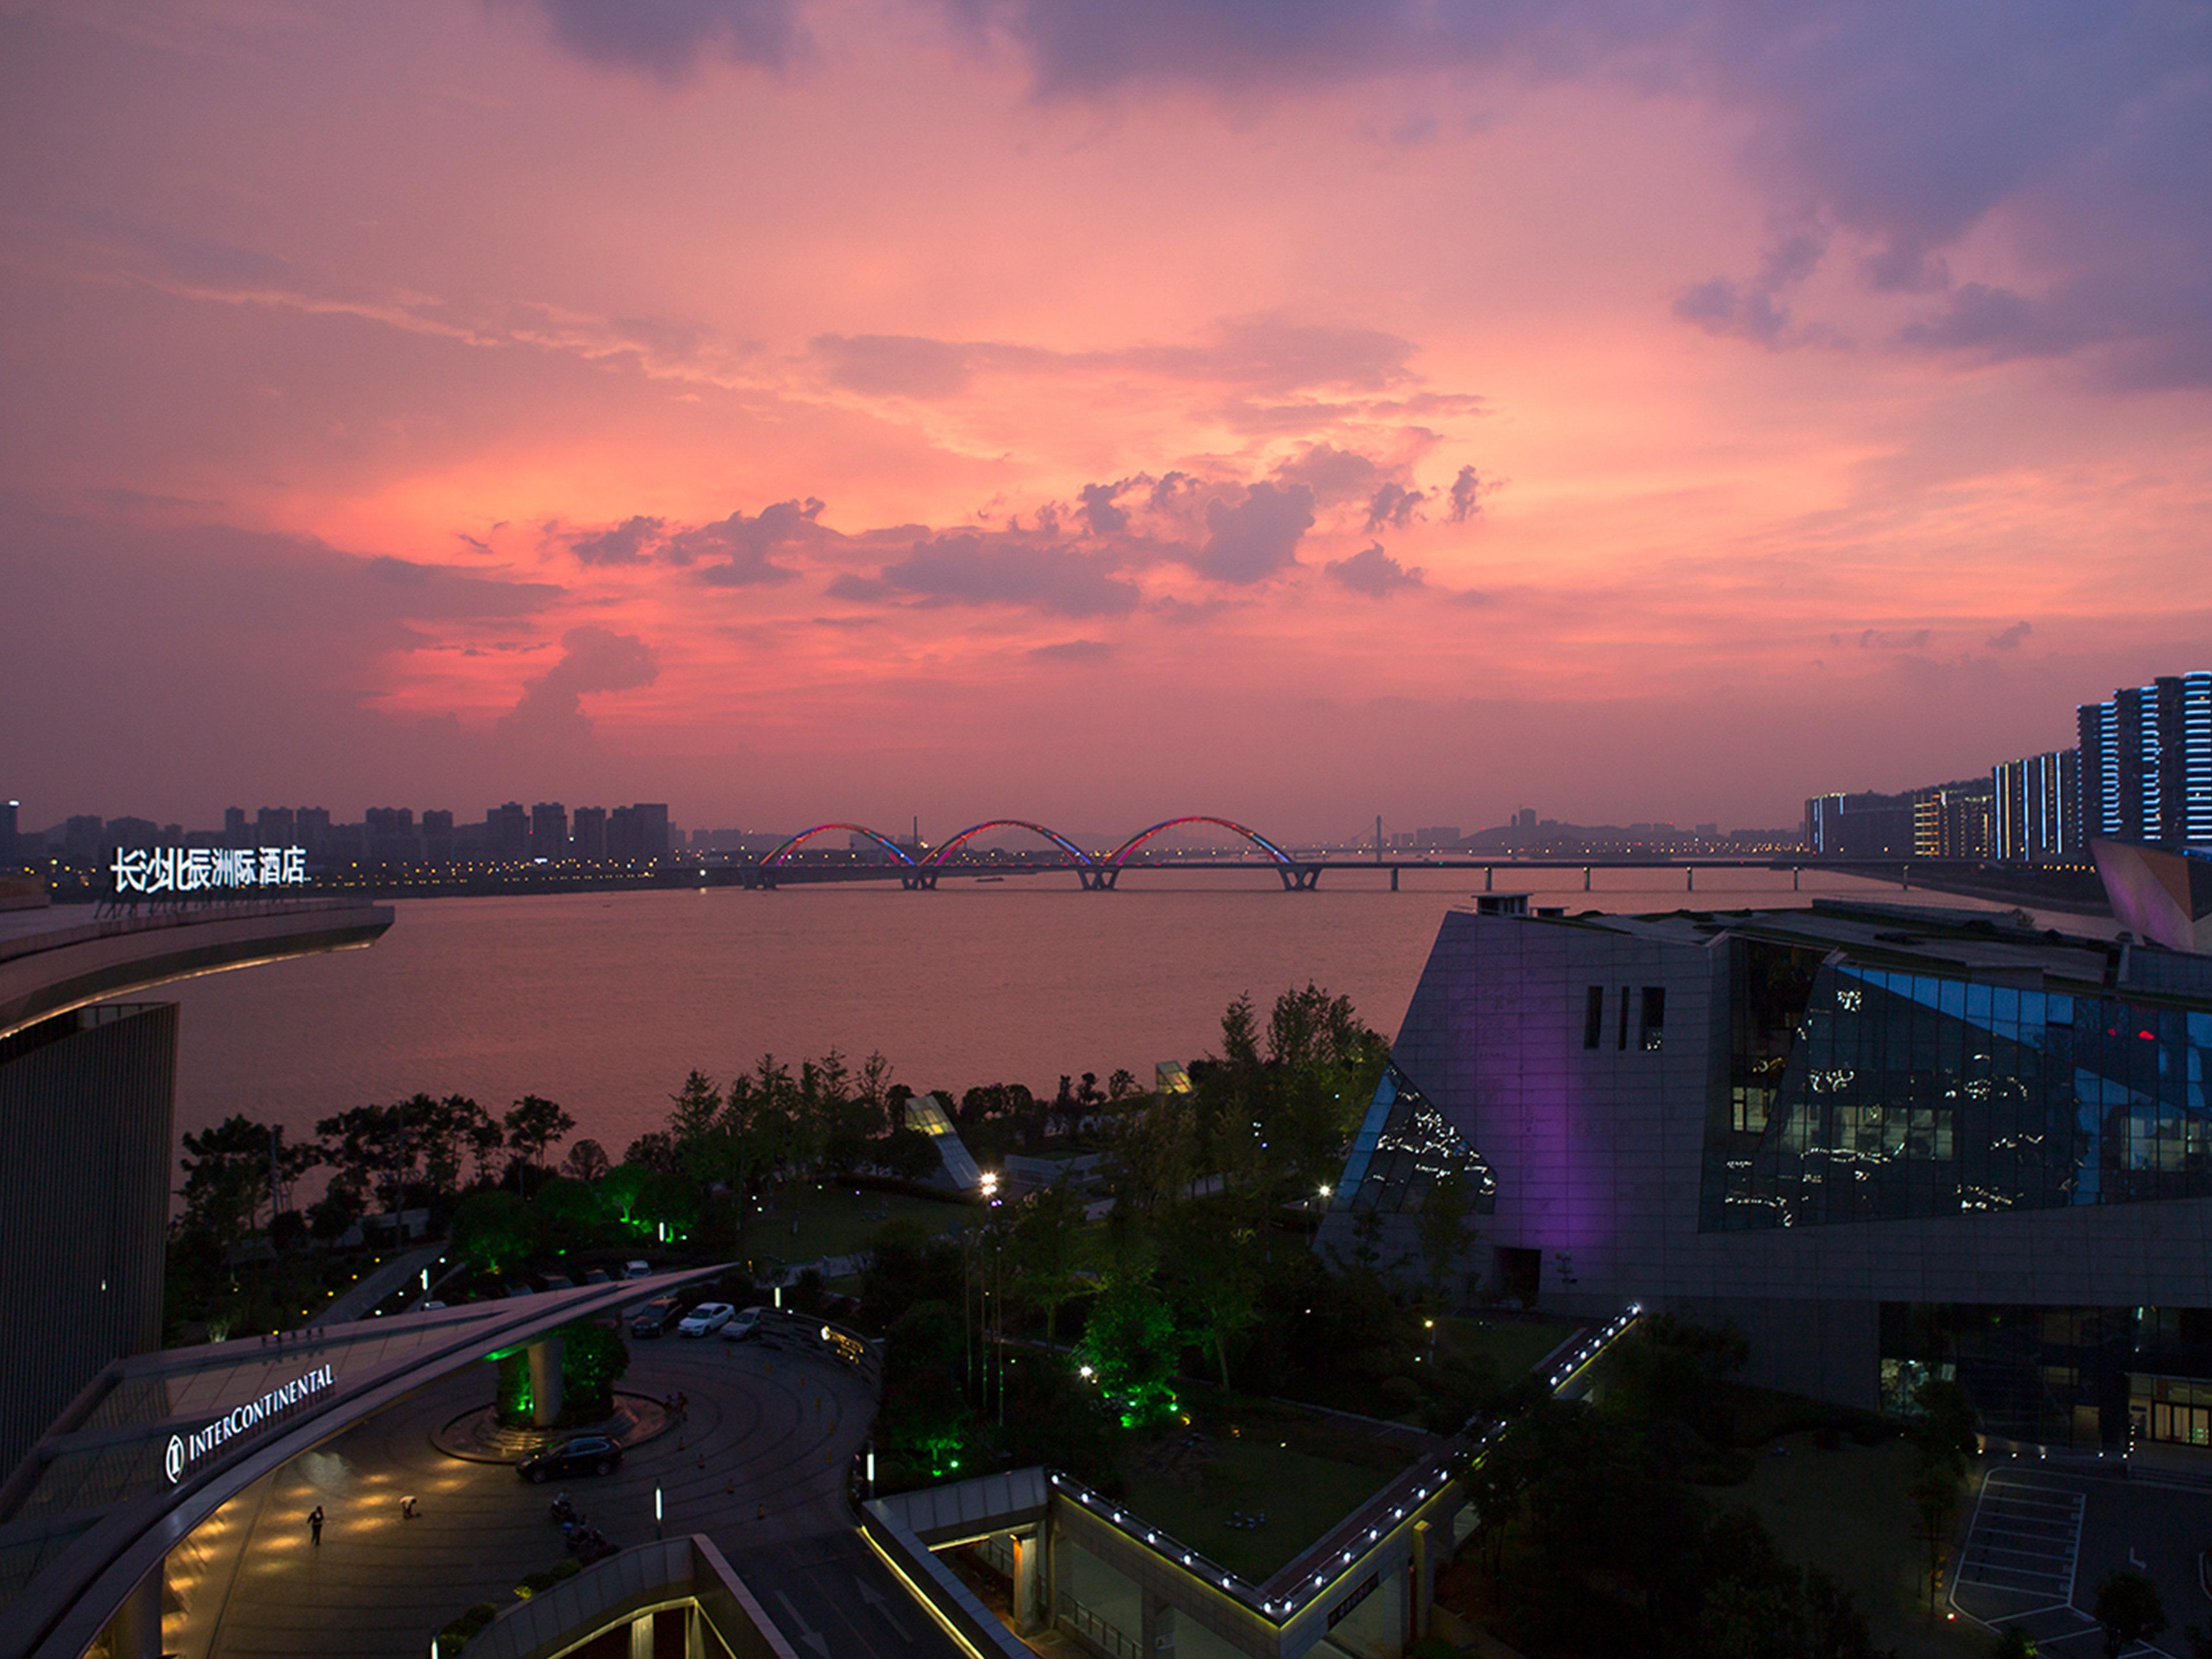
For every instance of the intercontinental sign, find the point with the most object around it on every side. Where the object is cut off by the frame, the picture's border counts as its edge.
(198, 869)
(186, 1449)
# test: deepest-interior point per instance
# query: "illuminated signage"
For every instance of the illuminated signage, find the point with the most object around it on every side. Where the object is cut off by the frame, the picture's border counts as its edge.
(195, 869)
(185, 1450)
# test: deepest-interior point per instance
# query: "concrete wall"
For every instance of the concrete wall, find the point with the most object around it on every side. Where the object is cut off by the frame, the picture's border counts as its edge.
(86, 1106)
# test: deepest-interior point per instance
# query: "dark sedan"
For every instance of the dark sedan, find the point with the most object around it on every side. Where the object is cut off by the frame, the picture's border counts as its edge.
(590, 1454)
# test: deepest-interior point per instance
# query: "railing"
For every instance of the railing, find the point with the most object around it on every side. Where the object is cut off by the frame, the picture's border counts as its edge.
(1108, 1639)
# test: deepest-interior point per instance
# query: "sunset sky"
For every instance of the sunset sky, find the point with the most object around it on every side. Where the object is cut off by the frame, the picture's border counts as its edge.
(796, 409)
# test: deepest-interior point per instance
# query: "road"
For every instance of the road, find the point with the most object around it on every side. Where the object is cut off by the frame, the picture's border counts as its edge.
(759, 1467)
(2039, 1542)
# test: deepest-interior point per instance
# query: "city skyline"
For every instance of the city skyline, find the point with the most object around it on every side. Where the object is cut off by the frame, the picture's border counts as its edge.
(796, 411)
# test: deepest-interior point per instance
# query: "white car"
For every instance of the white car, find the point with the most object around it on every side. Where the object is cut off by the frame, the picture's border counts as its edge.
(637, 1270)
(745, 1326)
(706, 1319)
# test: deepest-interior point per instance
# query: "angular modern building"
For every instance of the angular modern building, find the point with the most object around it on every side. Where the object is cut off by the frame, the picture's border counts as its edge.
(1886, 1143)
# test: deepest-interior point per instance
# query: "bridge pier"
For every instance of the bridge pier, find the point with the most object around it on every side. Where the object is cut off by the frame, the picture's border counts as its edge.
(1795, 871)
(1394, 877)
(1689, 880)
(1100, 880)
(1304, 878)
(1586, 879)
(920, 881)
(1489, 876)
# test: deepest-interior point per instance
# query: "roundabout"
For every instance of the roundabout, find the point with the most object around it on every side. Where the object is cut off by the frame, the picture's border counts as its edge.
(478, 1436)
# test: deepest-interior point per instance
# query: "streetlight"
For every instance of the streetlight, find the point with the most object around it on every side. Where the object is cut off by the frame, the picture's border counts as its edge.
(656, 1512)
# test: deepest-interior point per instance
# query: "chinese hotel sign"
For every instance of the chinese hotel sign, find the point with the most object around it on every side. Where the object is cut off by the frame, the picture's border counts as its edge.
(201, 869)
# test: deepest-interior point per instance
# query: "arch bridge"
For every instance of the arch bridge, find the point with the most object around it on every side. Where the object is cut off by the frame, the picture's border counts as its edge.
(918, 870)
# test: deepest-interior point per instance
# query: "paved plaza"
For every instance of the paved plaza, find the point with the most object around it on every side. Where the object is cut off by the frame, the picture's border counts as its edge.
(759, 1466)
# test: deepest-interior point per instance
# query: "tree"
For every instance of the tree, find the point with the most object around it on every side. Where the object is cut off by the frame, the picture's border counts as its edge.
(587, 1162)
(1048, 1254)
(592, 1360)
(567, 1212)
(1443, 1230)
(494, 1231)
(232, 1171)
(2127, 1605)
(533, 1124)
(374, 1150)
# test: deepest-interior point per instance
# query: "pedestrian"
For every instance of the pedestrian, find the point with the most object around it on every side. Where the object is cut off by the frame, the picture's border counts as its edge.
(315, 1524)
(407, 1509)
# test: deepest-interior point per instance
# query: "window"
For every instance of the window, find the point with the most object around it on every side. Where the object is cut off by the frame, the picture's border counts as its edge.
(1594, 1017)
(1622, 1042)
(1654, 1029)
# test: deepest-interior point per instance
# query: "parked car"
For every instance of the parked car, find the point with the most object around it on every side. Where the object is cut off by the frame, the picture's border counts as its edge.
(637, 1270)
(598, 1276)
(558, 1282)
(430, 1305)
(745, 1326)
(706, 1319)
(655, 1318)
(590, 1454)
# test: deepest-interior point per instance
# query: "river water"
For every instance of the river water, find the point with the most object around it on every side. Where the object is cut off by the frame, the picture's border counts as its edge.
(604, 1001)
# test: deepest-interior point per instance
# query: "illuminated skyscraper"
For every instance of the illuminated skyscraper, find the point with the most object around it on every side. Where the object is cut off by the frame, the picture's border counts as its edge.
(2038, 808)
(2146, 765)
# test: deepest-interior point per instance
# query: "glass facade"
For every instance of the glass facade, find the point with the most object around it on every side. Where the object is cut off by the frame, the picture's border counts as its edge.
(1405, 1146)
(1889, 1094)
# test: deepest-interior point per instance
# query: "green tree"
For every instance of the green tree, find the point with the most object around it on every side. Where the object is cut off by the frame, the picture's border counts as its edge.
(567, 1213)
(533, 1124)
(1212, 1277)
(1047, 1253)
(494, 1231)
(593, 1358)
(1129, 1344)
(2127, 1605)
(1444, 1228)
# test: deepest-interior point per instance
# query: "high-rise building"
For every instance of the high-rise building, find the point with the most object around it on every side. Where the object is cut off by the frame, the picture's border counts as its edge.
(234, 827)
(1864, 826)
(638, 833)
(507, 832)
(1952, 820)
(2037, 808)
(2146, 765)
(272, 826)
(587, 833)
(8, 809)
(549, 830)
(312, 824)
(437, 836)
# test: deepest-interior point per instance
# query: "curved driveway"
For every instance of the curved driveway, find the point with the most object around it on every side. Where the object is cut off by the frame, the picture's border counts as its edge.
(759, 1466)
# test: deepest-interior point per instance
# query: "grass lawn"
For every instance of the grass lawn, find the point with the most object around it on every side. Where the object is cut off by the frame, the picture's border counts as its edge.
(1845, 1512)
(1512, 1346)
(1302, 1496)
(806, 1224)
(1239, 1454)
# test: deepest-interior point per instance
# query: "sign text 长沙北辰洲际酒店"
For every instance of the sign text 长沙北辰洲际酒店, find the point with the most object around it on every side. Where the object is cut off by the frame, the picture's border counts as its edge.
(192, 869)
